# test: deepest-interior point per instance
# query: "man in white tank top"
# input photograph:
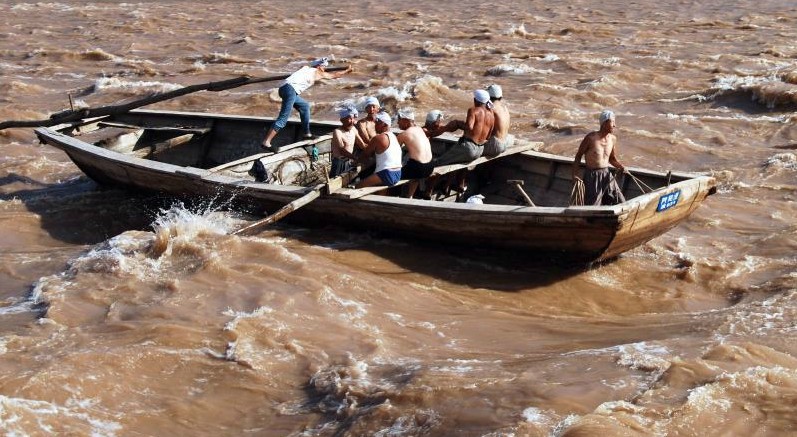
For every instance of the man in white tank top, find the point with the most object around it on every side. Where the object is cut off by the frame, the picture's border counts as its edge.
(387, 150)
(289, 91)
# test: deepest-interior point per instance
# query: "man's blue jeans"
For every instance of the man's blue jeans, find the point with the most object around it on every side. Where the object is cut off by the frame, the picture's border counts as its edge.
(292, 100)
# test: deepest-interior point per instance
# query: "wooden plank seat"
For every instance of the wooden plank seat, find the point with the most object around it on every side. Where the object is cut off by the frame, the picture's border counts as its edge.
(355, 193)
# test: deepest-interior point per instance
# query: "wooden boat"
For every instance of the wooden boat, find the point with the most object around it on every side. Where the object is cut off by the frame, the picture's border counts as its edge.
(197, 154)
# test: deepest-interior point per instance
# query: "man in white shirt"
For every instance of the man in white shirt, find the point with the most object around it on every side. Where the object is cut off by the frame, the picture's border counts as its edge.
(289, 92)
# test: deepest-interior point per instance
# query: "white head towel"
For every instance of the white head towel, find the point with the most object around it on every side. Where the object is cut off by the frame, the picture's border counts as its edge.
(483, 96)
(384, 117)
(372, 101)
(406, 114)
(320, 62)
(495, 91)
(433, 116)
(605, 116)
(347, 111)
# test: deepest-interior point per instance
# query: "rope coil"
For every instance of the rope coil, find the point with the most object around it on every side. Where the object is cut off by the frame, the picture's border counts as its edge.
(577, 193)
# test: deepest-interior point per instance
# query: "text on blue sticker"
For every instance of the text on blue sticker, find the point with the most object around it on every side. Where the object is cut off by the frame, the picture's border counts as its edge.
(668, 200)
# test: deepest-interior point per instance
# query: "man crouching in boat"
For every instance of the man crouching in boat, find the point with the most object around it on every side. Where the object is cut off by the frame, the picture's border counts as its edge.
(387, 150)
(344, 139)
(599, 150)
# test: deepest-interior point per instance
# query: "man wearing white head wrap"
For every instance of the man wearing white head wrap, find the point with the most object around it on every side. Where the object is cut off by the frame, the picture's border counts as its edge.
(605, 116)
(385, 147)
(384, 117)
(419, 151)
(320, 62)
(477, 128)
(434, 116)
(483, 96)
(434, 126)
(407, 114)
(344, 140)
(599, 149)
(366, 126)
(495, 92)
(500, 139)
(289, 92)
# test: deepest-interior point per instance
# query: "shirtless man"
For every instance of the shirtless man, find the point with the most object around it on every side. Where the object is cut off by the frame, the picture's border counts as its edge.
(366, 127)
(477, 128)
(344, 140)
(500, 139)
(419, 150)
(385, 147)
(599, 150)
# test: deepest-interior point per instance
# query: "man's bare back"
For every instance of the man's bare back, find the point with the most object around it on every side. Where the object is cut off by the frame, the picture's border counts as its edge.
(418, 146)
(479, 124)
(501, 113)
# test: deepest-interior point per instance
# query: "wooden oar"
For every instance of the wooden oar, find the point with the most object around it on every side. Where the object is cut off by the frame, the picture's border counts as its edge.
(327, 188)
(77, 114)
(282, 212)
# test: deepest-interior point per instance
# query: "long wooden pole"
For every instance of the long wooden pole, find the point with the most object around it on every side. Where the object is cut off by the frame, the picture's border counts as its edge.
(74, 115)
(282, 212)
(331, 186)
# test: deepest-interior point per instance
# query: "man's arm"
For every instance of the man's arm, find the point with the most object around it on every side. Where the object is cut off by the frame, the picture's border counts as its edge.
(454, 125)
(402, 138)
(327, 75)
(362, 131)
(378, 144)
(359, 142)
(582, 149)
(613, 159)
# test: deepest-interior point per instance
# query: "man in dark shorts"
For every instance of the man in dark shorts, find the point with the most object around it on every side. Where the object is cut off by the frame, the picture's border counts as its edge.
(419, 150)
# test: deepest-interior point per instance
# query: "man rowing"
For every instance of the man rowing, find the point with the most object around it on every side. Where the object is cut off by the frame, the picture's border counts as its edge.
(476, 129)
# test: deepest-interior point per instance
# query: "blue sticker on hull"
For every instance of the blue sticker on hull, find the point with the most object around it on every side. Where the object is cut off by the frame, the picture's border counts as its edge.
(668, 200)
